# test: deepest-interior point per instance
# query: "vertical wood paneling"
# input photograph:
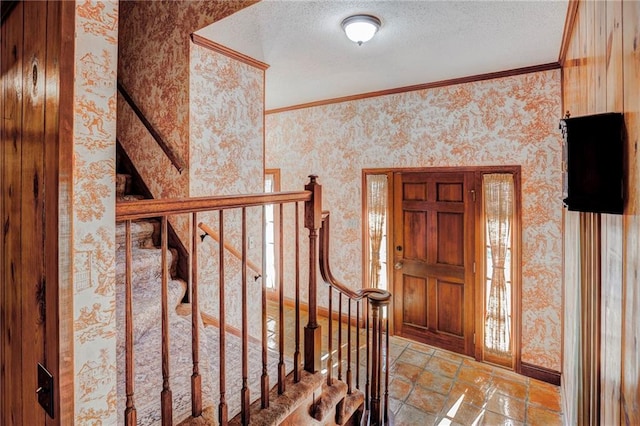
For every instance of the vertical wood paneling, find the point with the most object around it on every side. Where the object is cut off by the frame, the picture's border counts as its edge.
(631, 294)
(12, 43)
(32, 189)
(611, 320)
(600, 51)
(614, 56)
(602, 73)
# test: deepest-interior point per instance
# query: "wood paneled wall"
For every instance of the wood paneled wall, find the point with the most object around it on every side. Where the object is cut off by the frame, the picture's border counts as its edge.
(601, 73)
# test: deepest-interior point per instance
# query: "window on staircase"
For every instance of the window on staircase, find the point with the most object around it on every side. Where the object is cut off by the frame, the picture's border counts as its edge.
(271, 184)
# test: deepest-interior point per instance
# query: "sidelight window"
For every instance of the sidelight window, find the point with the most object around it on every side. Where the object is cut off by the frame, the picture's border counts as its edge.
(499, 206)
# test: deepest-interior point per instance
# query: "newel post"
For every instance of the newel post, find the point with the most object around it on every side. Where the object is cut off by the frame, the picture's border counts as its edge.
(313, 222)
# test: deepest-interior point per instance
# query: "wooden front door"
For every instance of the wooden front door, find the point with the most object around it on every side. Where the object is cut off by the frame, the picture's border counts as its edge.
(433, 258)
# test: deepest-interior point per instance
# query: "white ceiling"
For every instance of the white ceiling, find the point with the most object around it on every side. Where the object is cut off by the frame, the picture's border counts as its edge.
(419, 42)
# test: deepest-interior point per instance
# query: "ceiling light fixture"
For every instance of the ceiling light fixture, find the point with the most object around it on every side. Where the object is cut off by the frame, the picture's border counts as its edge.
(361, 28)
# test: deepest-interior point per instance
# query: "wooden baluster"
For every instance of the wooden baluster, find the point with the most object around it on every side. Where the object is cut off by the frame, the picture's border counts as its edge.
(367, 395)
(196, 379)
(281, 366)
(130, 411)
(312, 331)
(296, 354)
(349, 348)
(358, 345)
(339, 335)
(223, 417)
(245, 393)
(375, 361)
(386, 370)
(264, 379)
(166, 397)
(330, 340)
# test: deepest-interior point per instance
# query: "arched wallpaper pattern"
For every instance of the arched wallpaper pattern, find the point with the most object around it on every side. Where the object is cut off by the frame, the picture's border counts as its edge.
(506, 121)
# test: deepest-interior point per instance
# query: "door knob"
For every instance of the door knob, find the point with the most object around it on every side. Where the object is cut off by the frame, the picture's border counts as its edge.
(398, 265)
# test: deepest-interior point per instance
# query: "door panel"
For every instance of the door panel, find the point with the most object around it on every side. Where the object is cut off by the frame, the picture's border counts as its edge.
(415, 301)
(450, 235)
(433, 240)
(449, 317)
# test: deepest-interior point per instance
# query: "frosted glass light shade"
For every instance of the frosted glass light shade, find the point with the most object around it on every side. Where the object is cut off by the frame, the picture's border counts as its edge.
(360, 28)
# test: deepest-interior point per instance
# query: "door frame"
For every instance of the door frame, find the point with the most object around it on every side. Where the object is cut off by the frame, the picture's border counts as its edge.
(478, 285)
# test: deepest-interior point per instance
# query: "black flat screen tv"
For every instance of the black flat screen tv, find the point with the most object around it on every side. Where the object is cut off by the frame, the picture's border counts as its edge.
(593, 163)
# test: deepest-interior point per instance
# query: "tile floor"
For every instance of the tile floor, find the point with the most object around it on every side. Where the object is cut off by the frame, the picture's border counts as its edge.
(430, 386)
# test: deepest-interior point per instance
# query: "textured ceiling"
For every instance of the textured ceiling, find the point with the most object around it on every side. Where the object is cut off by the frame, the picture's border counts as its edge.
(419, 42)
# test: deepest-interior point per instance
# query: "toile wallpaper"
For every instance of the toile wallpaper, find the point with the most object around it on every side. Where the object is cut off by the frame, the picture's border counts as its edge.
(506, 121)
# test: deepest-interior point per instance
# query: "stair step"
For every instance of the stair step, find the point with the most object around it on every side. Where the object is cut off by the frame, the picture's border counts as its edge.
(142, 233)
(129, 197)
(123, 184)
(282, 406)
(147, 264)
(329, 399)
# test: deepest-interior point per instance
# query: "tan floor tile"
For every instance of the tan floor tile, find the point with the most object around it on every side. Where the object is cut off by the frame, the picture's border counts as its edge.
(394, 405)
(510, 375)
(442, 366)
(426, 400)
(545, 396)
(479, 378)
(492, 419)
(466, 362)
(411, 416)
(509, 407)
(430, 380)
(412, 357)
(406, 371)
(465, 414)
(510, 388)
(540, 416)
(466, 393)
(399, 388)
(449, 356)
(425, 349)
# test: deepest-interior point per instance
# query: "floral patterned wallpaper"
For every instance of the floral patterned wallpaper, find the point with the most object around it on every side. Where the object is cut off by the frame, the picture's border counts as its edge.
(506, 121)
(153, 65)
(226, 152)
(94, 211)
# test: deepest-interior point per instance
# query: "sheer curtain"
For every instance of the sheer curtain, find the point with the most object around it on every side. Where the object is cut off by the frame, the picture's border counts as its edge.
(377, 211)
(498, 195)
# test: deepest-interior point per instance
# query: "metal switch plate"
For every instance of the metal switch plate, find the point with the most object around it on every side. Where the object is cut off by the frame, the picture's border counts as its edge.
(45, 390)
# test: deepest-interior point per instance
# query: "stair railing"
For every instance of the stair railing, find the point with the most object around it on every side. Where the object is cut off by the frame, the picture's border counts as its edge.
(375, 304)
(376, 336)
(166, 148)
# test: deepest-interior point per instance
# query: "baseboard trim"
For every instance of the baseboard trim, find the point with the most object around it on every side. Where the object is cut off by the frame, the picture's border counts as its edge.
(540, 373)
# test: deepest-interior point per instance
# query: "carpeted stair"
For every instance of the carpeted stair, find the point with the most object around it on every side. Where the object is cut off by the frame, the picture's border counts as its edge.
(309, 402)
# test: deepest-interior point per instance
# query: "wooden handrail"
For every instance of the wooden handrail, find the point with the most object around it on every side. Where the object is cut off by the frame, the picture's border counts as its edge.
(145, 209)
(171, 155)
(213, 234)
(374, 294)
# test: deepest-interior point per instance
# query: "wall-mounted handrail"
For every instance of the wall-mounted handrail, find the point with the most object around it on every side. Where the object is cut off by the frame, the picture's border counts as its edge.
(235, 252)
(173, 157)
